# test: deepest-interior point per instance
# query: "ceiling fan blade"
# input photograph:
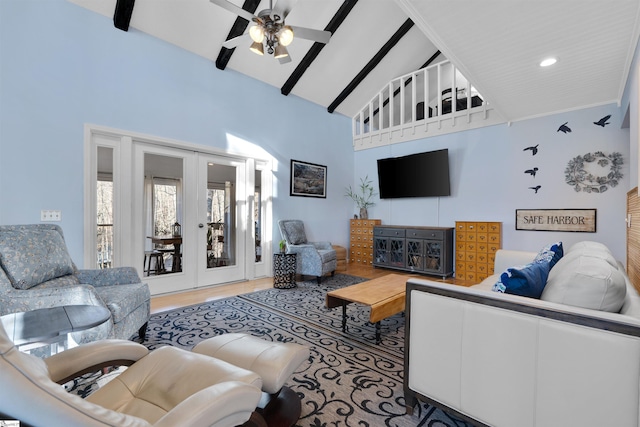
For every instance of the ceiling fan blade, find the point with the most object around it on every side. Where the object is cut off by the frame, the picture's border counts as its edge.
(234, 9)
(283, 7)
(309, 34)
(231, 43)
(285, 60)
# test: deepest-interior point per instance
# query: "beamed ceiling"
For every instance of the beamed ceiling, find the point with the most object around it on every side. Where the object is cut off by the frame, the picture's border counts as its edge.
(496, 44)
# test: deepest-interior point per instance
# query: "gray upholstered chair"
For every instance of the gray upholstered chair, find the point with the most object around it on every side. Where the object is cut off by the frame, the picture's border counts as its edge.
(165, 387)
(313, 258)
(37, 272)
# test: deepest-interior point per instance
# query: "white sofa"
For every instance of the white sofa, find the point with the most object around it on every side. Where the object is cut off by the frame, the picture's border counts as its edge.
(498, 359)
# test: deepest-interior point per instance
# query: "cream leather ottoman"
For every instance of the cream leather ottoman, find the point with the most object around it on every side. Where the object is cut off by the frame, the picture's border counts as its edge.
(273, 361)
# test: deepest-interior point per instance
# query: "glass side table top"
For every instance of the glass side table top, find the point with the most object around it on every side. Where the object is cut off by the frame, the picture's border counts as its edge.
(47, 326)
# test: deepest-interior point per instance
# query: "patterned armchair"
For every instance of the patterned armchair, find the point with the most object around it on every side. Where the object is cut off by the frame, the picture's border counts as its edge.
(37, 272)
(313, 258)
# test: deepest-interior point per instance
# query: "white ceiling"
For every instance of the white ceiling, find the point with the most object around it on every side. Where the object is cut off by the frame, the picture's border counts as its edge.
(496, 44)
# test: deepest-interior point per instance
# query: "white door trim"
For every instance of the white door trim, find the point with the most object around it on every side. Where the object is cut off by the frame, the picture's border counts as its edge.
(122, 143)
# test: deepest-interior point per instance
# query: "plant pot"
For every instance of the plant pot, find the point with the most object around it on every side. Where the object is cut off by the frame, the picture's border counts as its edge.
(363, 213)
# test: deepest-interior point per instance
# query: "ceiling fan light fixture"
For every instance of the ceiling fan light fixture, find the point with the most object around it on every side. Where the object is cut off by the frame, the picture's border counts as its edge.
(281, 52)
(268, 30)
(285, 37)
(257, 33)
(257, 48)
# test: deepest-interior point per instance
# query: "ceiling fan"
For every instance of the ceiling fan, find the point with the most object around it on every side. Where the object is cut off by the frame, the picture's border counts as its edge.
(270, 30)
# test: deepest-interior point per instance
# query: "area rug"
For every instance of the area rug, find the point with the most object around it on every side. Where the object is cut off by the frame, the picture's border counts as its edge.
(349, 380)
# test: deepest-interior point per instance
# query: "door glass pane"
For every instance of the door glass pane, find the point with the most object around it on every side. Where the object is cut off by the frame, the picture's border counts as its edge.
(104, 205)
(221, 180)
(165, 201)
(257, 215)
(163, 215)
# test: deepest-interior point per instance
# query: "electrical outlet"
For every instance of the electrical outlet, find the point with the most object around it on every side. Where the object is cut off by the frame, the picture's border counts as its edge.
(50, 215)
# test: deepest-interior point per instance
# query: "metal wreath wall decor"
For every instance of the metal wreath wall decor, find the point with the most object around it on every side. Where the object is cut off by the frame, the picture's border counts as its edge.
(583, 172)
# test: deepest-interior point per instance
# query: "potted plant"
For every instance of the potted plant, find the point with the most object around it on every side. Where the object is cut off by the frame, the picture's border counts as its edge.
(362, 196)
(283, 246)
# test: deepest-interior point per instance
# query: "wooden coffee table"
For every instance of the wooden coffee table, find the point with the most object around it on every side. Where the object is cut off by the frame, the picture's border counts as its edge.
(385, 295)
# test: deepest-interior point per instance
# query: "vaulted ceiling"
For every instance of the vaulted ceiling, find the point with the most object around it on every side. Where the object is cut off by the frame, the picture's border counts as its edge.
(496, 44)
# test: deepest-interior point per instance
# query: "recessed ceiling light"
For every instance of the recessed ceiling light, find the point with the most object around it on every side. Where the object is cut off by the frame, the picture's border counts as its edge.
(548, 61)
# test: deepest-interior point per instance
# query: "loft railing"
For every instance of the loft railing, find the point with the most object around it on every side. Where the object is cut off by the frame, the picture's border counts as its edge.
(419, 104)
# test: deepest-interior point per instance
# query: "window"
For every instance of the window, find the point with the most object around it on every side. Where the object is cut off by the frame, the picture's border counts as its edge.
(104, 207)
(104, 232)
(165, 206)
(220, 233)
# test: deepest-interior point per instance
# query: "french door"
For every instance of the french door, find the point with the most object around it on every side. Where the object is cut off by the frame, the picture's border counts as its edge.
(221, 219)
(184, 218)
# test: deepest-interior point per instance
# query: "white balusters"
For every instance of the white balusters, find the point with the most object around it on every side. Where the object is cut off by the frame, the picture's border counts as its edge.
(393, 120)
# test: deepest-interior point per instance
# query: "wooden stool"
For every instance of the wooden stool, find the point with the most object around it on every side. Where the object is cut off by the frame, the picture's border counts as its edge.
(341, 257)
(158, 267)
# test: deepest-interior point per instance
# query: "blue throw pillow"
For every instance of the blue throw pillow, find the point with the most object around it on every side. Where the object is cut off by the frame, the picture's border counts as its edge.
(527, 281)
(550, 253)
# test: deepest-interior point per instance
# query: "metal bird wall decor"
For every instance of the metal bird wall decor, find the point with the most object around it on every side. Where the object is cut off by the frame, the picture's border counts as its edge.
(603, 121)
(533, 171)
(564, 128)
(536, 188)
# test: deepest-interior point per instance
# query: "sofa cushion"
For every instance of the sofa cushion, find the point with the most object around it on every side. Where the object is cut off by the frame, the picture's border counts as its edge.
(59, 282)
(526, 281)
(592, 252)
(31, 257)
(488, 283)
(588, 244)
(550, 253)
(587, 281)
(295, 232)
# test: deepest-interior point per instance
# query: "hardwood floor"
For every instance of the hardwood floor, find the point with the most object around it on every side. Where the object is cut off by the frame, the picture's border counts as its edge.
(181, 299)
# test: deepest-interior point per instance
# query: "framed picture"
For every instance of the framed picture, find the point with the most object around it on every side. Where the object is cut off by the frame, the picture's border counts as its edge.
(308, 179)
(579, 220)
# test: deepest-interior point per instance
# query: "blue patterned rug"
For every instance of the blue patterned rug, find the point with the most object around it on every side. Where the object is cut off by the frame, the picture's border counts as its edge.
(348, 380)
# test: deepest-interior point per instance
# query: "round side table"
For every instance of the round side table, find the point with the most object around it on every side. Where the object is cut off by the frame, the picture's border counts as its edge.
(52, 326)
(284, 271)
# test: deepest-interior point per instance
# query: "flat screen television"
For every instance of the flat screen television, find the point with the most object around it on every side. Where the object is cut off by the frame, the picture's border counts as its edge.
(415, 175)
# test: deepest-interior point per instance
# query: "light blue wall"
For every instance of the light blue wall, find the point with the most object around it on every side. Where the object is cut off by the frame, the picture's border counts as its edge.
(63, 66)
(488, 182)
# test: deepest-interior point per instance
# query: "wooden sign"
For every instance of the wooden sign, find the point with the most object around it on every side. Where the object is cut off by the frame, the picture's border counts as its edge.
(580, 220)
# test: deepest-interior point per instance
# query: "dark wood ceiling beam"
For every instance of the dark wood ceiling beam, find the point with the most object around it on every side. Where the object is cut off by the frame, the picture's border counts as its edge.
(430, 60)
(238, 29)
(371, 64)
(122, 14)
(311, 55)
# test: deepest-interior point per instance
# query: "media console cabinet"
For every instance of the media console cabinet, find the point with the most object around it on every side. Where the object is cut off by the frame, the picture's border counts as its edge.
(426, 250)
